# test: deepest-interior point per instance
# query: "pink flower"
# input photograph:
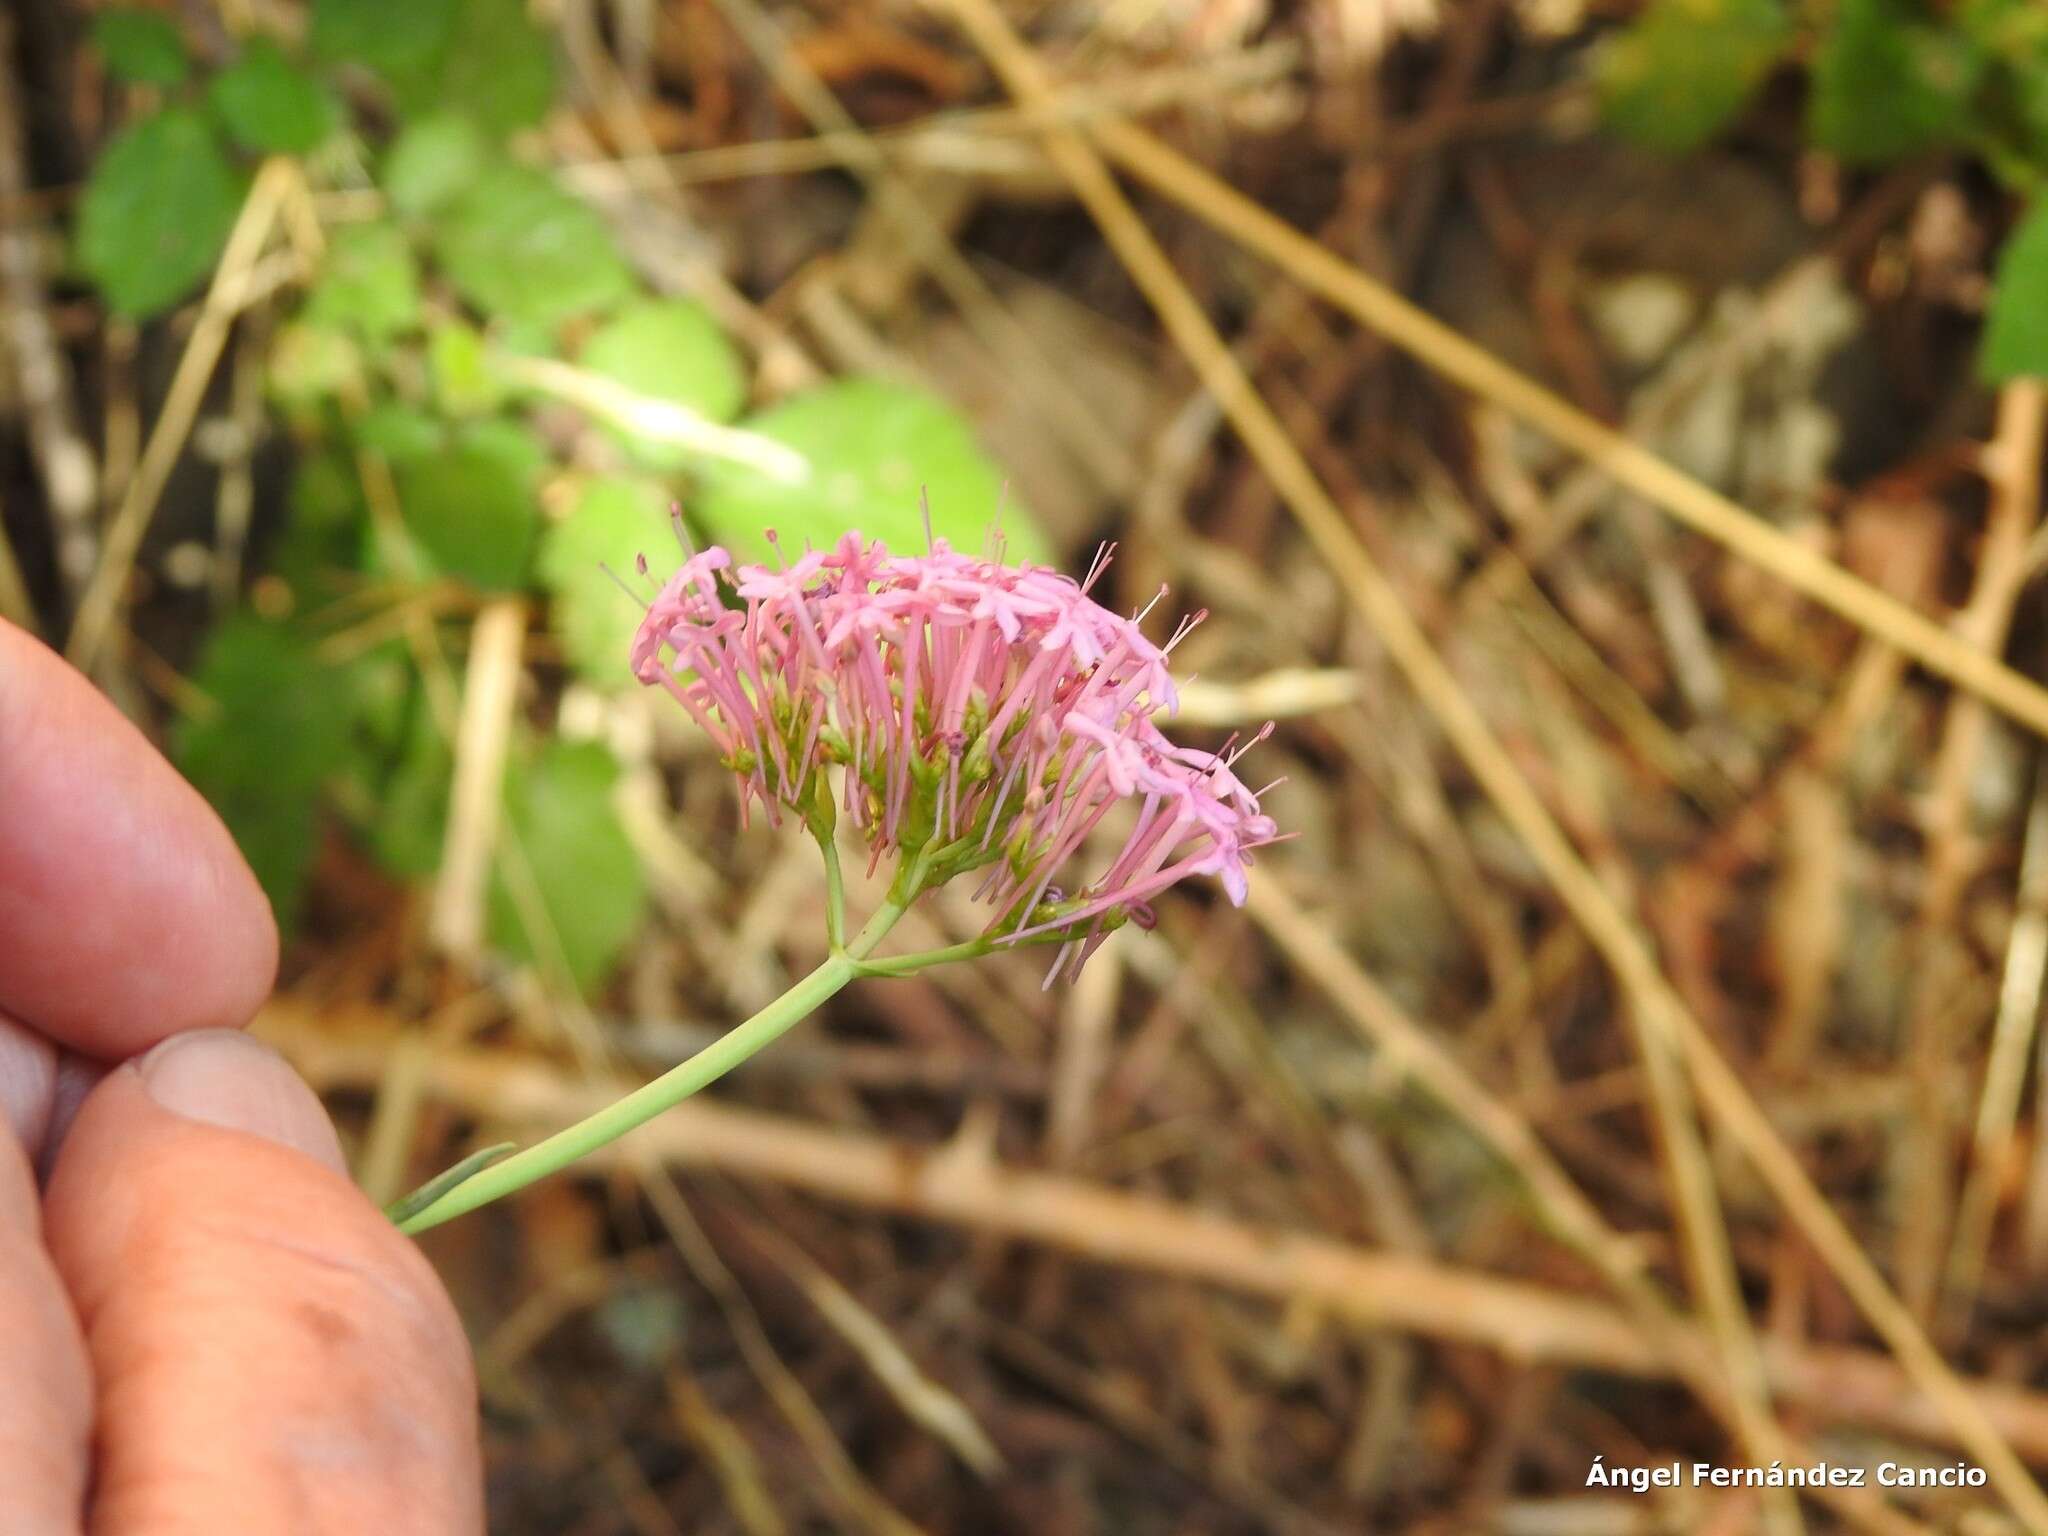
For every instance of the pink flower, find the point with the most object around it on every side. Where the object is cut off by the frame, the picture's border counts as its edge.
(988, 717)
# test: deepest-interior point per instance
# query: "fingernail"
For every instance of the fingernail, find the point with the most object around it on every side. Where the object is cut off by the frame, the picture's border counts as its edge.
(223, 1077)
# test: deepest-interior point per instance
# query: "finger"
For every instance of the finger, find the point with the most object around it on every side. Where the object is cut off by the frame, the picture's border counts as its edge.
(41, 1088)
(45, 1387)
(126, 912)
(272, 1356)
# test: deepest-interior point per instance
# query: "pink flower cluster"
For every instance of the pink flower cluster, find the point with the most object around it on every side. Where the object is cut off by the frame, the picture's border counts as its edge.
(989, 716)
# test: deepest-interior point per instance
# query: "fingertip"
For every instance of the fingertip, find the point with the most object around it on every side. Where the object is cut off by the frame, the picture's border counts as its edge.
(126, 911)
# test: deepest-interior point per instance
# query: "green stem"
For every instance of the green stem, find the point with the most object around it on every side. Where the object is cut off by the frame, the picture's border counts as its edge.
(666, 1091)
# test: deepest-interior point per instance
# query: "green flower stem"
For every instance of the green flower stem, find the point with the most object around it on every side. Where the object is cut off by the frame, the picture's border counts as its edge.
(666, 1091)
(910, 965)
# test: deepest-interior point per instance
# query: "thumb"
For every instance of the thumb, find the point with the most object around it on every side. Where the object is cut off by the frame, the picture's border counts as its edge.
(271, 1354)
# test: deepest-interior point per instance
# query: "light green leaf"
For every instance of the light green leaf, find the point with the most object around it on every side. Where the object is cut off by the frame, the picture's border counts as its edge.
(431, 162)
(616, 521)
(369, 282)
(874, 448)
(591, 889)
(674, 351)
(516, 245)
(270, 105)
(2016, 330)
(398, 433)
(143, 46)
(276, 723)
(473, 510)
(463, 382)
(1674, 77)
(1887, 82)
(157, 212)
(311, 362)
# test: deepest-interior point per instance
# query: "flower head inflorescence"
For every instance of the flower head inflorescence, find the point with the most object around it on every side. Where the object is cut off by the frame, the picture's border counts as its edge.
(989, 717)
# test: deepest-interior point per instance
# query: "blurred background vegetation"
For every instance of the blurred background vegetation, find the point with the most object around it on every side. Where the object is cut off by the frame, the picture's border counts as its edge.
(1628, 503)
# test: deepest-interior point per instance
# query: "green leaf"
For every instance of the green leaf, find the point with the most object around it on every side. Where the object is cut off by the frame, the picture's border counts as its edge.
(397, 432)
(497, 69)
(1676, 76)
(369, 282)
(323, 536)
(399, 39)
(143, 46)
(590, 887)
(616, 521)
(278, 720)
(2012, 35)
(2016, 329)
(311, 362)
(157, 212)
(411, 819)
(670, 350)
(1887, 83)
(874, 447)
(516, 245)
(473, 510)
(270, 105)
(463, 382)
(431, 161)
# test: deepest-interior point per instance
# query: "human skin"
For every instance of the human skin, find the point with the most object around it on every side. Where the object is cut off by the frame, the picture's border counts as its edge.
(204, 1325)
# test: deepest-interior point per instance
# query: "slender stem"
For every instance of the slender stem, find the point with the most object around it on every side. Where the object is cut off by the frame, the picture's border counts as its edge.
(910, 965)
(671, 1088)
(835, 893)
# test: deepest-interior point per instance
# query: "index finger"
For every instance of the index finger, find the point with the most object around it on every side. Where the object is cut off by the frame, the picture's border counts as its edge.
(126, 912)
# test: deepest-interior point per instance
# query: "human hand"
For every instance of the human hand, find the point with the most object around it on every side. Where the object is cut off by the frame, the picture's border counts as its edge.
(204, 1326)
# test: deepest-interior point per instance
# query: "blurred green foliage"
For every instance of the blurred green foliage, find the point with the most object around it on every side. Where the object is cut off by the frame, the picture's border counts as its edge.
(1888, 79)
(412, 376)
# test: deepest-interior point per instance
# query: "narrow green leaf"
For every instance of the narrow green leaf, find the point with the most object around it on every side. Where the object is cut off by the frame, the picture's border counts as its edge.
(405, 1207)
(875, 449)
(157, 212)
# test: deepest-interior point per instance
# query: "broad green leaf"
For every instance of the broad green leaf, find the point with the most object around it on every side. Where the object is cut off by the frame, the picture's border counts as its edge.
(875, 448)
(323, 536)
(311, 362)
(516, 245)
(398, 433)
(143, 46)
(497, 69)
(369, 282)
(1674, 77)
(411, 817)
(270, 105)
(431, 162)
(276, 723)
(402, 40)
(616, 521)
(463, 382)
(1887, 82)
(473, 510)
(157, 212)
(674, 351)
(590, 887)
(2012, 35)
(2016, 330)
